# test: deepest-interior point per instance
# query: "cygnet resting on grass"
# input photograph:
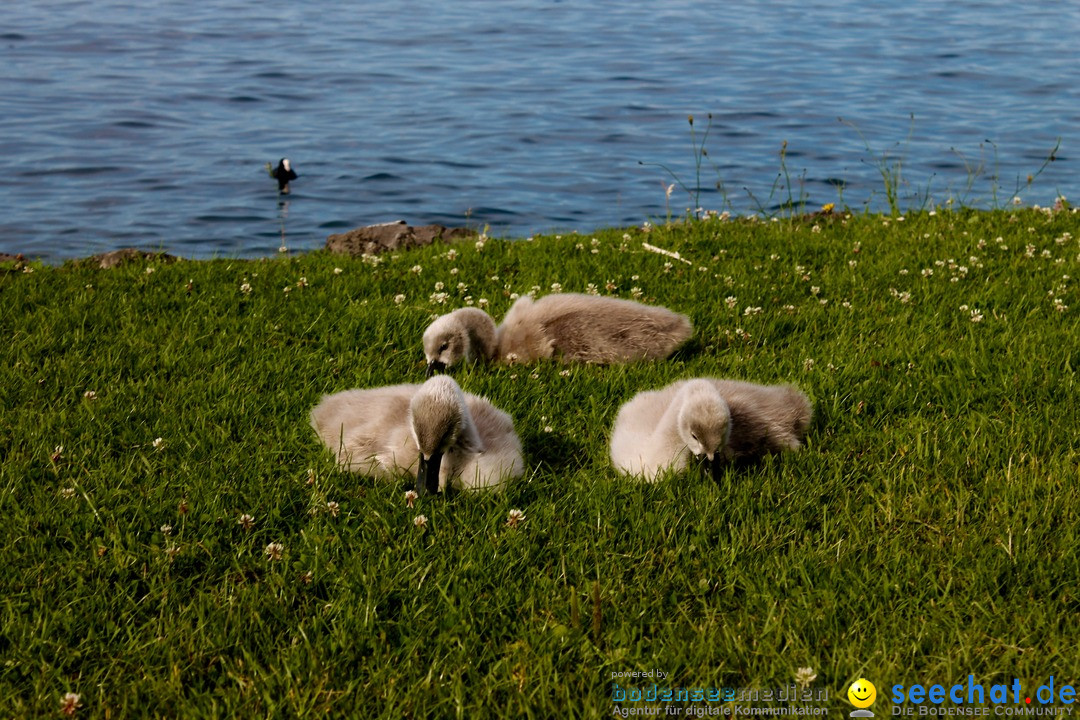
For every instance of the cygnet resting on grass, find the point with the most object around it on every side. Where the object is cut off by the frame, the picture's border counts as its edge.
(446, 437)
(718, 420)
(568, 326)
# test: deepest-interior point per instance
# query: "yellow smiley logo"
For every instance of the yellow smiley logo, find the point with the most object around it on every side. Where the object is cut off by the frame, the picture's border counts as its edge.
(862, 693)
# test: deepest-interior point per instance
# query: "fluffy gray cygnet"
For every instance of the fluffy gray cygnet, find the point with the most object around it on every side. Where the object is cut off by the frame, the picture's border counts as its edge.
(718, 420)
(446, 437)
(568, 326)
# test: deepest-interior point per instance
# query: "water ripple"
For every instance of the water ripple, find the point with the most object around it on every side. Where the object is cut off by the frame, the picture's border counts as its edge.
(155, 120)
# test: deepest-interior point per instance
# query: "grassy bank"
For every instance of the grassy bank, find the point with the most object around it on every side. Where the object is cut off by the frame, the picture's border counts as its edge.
(928, 530)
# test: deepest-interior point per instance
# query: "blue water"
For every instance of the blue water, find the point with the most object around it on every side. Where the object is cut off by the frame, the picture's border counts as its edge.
(148, 124)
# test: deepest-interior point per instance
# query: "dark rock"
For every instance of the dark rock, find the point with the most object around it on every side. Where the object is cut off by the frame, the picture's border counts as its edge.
(392, 236)
(125, 256)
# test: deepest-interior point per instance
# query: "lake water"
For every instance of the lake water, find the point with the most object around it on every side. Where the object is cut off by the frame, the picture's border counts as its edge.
(148, 124)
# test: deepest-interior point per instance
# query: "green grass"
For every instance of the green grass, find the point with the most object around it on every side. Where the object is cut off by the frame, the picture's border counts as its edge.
(927, 531)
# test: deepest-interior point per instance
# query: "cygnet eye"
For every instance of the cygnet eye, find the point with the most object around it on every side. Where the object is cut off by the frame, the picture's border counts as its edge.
(442, 348)
(694, 436)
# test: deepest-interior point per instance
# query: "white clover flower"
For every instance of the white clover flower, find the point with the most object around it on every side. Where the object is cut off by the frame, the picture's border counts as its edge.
(246, 521)
(90, 395)
(548, 429)
(438, 298)
(636, 293)
(731, 301)
(69, 704)
(287, 289)
(333, 508)
(245, 287)
(808, 364)
(564, 373)
(439, 286)
(515, 517)
(927, 272)
(482, 302)
(274, 551)
(420, 521)
(514, 296)
(451, 254)
(166, 530)
(399, 298)
(149, 271)
(410, 498)
(814, 229)
(158, 442)
(591, 289)
(814, 290)
(416, 269)
(976, 316)
(67, 493)
(751, 311)
(852, 263)
(556, 287)
(338, 271)
(804, 676)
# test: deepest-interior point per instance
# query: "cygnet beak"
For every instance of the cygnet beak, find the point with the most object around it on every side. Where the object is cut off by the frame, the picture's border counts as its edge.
(435, 366)
(427, 475)
(716, 466)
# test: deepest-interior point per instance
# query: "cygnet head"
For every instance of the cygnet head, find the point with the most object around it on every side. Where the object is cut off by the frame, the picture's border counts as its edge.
(446, 343)
(704, 422)
(440, 421)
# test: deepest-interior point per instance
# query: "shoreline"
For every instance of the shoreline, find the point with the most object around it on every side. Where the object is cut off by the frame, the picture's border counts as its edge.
(399, 235)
